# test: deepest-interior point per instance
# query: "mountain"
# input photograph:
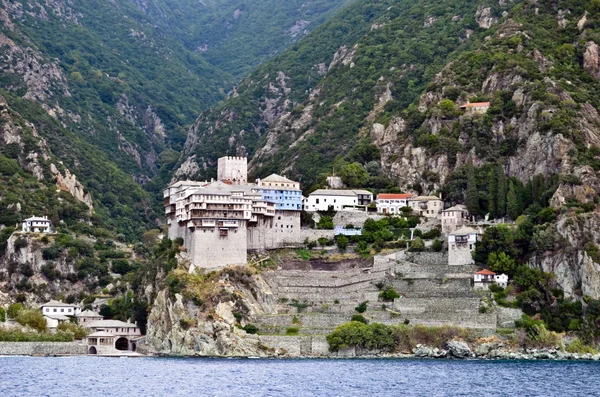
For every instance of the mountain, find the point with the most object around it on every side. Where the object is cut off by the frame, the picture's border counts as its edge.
(111, 87)
(379, 102)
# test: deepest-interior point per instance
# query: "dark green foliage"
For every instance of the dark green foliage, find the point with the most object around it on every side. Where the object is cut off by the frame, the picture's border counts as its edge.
(342, 242)
(250, 328)
(2, 315)
(437, 245)
(359, 318)
(362, 307)
(326, 222)
(389, 294)
(20, 242)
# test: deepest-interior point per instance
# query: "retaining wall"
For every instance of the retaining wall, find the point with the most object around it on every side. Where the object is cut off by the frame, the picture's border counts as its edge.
(41, 348)
(425, 258)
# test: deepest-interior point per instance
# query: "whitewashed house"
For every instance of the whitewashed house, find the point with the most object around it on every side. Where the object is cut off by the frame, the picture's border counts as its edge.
(338, 200)
(56, 312)
(461, 244)
(484, 278)
(392, 203)
(36, 224)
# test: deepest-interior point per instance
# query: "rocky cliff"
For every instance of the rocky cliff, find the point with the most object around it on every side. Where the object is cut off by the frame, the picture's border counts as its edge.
(184, 324)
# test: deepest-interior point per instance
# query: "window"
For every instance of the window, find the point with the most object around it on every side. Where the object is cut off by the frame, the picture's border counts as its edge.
(62, 310)
(47, 310)
(54, 310)
(69, 310)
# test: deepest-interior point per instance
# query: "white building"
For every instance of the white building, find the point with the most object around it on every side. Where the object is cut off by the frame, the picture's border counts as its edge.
(454, 218)
(427, 206)
(338, 200)
(233, 169)
(392, 203)
(484, 278)
(461, 244)
(56, 312)
(59, 308)
(36, 224)
(109, 336)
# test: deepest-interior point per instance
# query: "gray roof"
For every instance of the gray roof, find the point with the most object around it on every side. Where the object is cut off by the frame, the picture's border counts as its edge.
(277, 178)
(463, 231)
(88, 313)
(458, 207)
(109, 324)
(54, 303)
(425, 198)
(100, 334)
(339, 192)
(57, 316)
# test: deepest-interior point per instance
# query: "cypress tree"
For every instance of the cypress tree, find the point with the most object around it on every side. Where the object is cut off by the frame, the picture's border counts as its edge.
(472, 192)
(512, 202)
(501, 200)
(492, 194)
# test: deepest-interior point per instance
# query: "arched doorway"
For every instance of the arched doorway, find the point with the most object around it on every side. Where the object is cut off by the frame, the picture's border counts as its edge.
(92, 350)
(122, 344)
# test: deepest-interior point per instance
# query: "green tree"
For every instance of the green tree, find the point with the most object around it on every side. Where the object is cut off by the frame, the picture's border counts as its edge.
(326, 223)
(78, 331)
(342, 242)
(354, 175)
(14, 309)
(513, 206)
(417, 245)
(437, 245)
(472, 192)
(495, 239)
(492, 194)
(501, 197)
(501, 263)
(32, 318)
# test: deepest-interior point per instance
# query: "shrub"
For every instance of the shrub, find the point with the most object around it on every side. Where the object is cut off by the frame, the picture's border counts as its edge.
(362, 307)
(292, 330)
(323, 241)
(32, 318)
(26, 269)
(368, 336)
(342, 242)
(304, 254)
(20, 243)
(326, 223)
(78, 331)
(577, 346)
(51, 252)
(50, 272)
(14, 309)
(250, 328)
(417, 245)
(433, 233)
(437, 245)
(19, 336)
(2, 315)
(360, 318)
(389, 293)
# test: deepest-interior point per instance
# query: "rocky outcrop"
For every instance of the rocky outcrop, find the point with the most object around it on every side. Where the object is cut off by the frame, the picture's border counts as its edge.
(590, 59)
(459, 349)
(484, 17)
(178, 327)
(69, 183)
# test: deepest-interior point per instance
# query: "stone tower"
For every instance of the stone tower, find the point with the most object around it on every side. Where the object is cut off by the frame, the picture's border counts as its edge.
(233, 169)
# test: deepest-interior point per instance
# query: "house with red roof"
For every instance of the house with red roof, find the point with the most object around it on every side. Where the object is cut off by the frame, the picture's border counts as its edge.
(391, 203)
(484, 278)
(476, 107)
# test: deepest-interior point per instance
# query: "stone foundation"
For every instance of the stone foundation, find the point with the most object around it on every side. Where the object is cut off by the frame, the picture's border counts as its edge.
(41, 348)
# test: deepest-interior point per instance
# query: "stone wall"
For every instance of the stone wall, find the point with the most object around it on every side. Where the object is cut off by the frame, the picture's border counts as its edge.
(41, 348)
(507, 316)
(355, 218)
(426, 258)
(299, 346)
(458, 255)
(208, 249)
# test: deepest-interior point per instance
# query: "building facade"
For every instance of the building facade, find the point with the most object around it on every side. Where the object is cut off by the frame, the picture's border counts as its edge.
(454, 218)
(484, 278)
(36, 224)
(427, 206)
(392, 203)
(461, 244)
(233, 169)
(476, 107)
(338, 200)
(283, 192)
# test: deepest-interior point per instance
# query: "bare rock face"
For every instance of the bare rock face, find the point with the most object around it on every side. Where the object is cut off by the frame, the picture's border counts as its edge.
(179, 328)
(68, 182)
(576, 271)
(484, 18)
(590, 59)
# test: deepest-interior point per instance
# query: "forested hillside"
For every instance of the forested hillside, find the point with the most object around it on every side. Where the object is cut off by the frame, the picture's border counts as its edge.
(113, 86)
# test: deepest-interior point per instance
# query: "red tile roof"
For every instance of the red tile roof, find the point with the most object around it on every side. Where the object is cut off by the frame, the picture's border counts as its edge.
(394, 196)
(475, 104)
(486, 271)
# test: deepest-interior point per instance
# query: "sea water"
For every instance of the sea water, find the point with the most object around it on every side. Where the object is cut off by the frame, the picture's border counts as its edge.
(99, 376)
